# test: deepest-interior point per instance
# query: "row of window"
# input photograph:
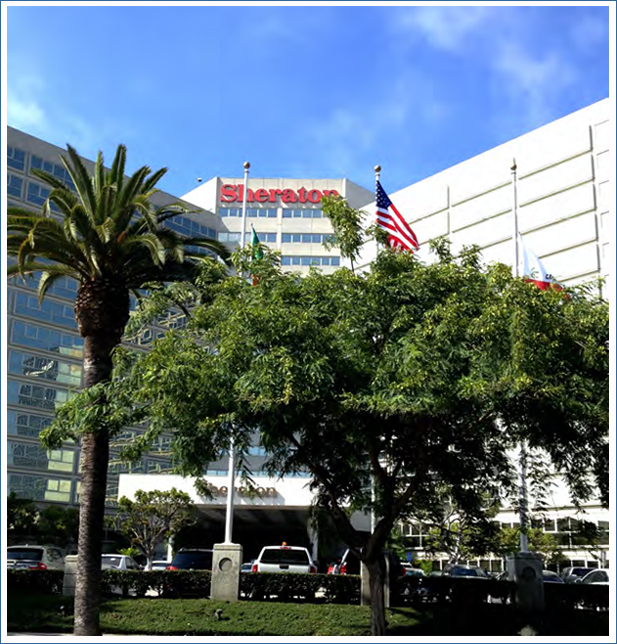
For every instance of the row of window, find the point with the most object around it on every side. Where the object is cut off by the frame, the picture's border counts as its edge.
(35, 194)
(33, 366)
(190, 228)
(272, 213)
(36, 396)
(36, 337)
(47, 311)
(299, 260)
(16, 158)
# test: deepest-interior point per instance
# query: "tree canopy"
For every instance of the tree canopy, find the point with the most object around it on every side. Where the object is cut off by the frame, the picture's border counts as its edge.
(388, 385)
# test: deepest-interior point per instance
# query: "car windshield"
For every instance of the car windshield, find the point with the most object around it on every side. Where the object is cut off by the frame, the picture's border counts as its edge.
(111, 560)
(464, 572)
(35, 554)
(193, 559)
(284, 556)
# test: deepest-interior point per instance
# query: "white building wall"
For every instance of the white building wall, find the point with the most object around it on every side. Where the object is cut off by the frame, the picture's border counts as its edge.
(564, 190)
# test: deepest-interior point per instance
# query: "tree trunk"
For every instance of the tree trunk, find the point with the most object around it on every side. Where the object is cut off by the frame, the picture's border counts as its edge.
(377, 573)
(94, 462)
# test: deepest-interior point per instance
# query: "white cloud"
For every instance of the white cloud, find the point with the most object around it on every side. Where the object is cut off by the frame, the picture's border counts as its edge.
(531, 72)
(533, 79)
(25, 114)
(446, 28)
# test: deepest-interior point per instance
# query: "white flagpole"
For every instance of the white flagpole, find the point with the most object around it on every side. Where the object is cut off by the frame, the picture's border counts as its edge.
(524, 543)
(247, 165)
(231, 474)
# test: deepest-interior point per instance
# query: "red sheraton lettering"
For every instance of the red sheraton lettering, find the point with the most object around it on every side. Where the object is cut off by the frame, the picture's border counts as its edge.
(231, 193)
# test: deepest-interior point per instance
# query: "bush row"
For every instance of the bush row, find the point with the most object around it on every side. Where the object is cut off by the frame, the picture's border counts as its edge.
(336, 589)
(45, 582)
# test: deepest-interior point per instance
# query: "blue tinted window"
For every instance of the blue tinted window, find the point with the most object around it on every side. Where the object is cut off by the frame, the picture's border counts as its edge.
(37, 337)
(37, 396)
(15, 158)
(286, 261)
(48, 310)
(335, 261)
(26, 424)
(14, 185)
(27, 364)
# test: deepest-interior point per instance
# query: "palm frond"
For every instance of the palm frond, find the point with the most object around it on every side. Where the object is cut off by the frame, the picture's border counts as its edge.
(151, 242)
(82, 181)
(48, 277)
(116, 175)
(49, 179)
(99, 174)
(153, 179)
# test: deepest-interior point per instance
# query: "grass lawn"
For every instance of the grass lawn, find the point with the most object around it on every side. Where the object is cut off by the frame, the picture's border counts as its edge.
(155, 616)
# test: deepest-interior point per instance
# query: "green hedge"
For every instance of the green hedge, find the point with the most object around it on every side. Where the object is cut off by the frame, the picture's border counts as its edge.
(335, 589)
(46, 582)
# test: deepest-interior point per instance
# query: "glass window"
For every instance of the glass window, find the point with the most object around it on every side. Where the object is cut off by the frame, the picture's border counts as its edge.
(285, 238)
(46, 368)
(29, 425)
(38, 396)
(335, 261)
(40, 488)
(14, 185)
(48, 310)
(296, 261)
(47, 339)
(15, 158)
(35, 457)
(286, 260)
(36, 193)
(325, 261)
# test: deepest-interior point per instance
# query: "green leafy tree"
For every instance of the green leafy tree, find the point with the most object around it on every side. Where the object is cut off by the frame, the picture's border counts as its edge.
(543, 543)
(152, 518)
(388, 386)
(21, 518)
(59, 525)
(110, 237)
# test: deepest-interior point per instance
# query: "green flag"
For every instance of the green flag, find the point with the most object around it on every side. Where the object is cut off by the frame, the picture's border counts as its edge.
(258, 252)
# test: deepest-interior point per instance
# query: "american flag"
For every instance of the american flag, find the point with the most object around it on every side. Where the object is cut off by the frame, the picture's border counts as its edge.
(400, 235)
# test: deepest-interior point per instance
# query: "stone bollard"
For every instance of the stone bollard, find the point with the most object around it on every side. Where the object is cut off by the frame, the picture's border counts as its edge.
(226, 564)
(525, 569)
(70, 572)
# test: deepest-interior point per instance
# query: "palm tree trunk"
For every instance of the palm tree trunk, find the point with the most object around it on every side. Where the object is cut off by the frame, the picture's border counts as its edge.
(94, 462)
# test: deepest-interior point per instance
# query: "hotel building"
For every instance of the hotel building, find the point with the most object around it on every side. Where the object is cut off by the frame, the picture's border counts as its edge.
(564, 210)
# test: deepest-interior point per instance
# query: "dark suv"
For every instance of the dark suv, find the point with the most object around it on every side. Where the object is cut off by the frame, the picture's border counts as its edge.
(191, 559)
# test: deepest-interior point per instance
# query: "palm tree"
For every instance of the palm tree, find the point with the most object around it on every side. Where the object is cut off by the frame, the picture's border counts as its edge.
(110, 238)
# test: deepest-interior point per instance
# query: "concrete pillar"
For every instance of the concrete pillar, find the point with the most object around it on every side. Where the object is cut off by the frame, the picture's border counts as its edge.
(226, 564)
(70, 572)
(525, 569)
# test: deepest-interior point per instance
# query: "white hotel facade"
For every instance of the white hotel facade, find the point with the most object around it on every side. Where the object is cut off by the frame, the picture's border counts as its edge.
(565, 214)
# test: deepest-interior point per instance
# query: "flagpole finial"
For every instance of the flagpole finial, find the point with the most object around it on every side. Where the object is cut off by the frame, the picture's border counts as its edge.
(513, 168)
(247, 165)
(377, 169)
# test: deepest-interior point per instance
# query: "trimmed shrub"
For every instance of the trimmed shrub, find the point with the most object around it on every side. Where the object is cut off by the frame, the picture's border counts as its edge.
(45, 582)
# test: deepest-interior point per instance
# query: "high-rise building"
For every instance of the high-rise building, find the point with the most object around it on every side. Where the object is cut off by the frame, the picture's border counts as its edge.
(563, 190)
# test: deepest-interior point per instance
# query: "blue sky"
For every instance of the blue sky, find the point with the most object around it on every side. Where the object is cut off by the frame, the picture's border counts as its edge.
(315, 91)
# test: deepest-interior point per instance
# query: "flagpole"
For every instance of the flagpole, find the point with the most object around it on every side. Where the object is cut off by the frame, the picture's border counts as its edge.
(231, 474)
(524, 543)
(247, 165)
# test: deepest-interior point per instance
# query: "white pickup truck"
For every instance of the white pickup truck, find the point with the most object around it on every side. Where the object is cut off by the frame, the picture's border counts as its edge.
(284, 558)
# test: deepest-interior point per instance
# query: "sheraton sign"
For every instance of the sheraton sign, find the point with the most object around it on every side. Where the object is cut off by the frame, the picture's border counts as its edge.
(231, 193)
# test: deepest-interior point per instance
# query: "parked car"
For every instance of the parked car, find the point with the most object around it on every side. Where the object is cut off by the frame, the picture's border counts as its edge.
(600, 576)
(119, 562)
(284, 558)
(192, 559)
(550, 577)
(160, 564)
(27, 557)
(461, 570)
(571, 574)
(247, 566)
